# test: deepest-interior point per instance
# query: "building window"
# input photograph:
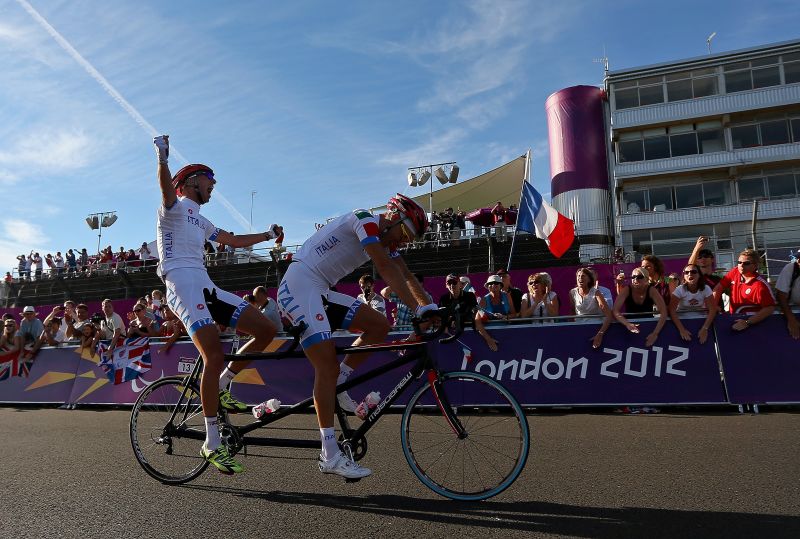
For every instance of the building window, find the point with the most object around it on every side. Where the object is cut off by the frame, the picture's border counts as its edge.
(716, 193)
(676, 141)
(781, 186)
(759, 73)
(751, 189)
(688, 196)
(695, 195)
(791, 68)
(691, 84)
(764, 133)
(638, 93)
(795, 122)
(656, 147)
(661, 198)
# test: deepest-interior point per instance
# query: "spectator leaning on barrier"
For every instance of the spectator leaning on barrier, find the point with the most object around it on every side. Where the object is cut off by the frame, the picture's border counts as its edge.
(30, 330)
(369, 296)
(81, 319)
(7, 339)
(693, 295)
(643, 298)
(588, 298)
(53, 335)
(458, 299)
(112, 326)
(403, 313)
(540, 301)
(172, 328)
(513, 292)
(268, 306)
(788, 287)
(496, 305)
(140, 324)
(749, 291)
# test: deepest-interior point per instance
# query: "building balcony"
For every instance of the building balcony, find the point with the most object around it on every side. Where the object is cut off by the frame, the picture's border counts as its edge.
(767, 209)
(745, 156)
(715, 105)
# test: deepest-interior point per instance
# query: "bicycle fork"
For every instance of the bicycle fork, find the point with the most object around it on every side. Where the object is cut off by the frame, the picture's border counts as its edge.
(443, 402)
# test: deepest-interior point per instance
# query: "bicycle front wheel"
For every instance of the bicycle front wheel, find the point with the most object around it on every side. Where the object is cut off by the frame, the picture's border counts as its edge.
(167, 430)
(466, 438)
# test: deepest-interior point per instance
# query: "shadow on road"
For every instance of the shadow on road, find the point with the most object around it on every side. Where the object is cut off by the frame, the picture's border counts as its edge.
(544, 517)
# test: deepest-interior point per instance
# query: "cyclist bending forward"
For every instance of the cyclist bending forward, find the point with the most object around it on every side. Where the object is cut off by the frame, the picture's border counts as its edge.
(304, 295)
(198, 302)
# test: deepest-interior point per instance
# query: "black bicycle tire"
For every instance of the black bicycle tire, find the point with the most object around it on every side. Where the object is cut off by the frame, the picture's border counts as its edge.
(141, 458)
(449, 492)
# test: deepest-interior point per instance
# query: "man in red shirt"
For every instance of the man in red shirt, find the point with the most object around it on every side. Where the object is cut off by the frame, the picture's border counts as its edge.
(749, 291)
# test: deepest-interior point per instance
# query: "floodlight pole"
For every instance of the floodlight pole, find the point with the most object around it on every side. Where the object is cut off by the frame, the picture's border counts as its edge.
(430, 168)
(100, 216)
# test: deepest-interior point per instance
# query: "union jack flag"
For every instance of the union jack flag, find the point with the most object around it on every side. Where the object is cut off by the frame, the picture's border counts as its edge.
(15, 364)
(127, 361)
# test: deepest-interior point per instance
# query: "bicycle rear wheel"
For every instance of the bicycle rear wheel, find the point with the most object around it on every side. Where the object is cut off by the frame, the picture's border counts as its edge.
(491, 450)
(167, 430)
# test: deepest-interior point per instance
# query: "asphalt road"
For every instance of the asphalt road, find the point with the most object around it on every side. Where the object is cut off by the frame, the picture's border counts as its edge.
(73, 474)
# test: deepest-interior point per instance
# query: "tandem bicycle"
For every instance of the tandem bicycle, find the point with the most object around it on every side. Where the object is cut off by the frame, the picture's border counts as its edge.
(464, 435)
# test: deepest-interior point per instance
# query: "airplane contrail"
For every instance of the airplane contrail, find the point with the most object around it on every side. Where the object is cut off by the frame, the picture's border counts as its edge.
(126, 106)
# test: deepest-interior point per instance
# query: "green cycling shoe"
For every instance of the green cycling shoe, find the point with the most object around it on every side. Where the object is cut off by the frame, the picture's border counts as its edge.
(229, 403)
(222, 460)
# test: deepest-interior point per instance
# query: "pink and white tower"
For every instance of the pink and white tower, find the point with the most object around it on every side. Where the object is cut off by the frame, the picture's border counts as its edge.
(579, 184)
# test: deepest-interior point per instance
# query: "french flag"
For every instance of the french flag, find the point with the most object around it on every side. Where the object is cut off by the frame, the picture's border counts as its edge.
(538, 217)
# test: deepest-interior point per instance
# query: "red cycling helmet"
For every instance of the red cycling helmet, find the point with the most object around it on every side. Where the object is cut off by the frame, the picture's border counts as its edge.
(190, 171)
(411, 211)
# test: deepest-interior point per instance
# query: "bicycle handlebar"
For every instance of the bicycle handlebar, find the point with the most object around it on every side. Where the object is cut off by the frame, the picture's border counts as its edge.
(444, 315)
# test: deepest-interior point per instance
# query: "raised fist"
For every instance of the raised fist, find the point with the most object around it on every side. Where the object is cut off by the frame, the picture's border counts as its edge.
(274, 231)
(162, 148)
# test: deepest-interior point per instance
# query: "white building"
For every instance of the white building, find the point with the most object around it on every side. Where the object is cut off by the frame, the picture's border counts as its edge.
(695, 142)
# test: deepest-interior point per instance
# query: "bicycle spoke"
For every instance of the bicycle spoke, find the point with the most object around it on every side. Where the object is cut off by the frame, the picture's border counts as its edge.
(490, 454)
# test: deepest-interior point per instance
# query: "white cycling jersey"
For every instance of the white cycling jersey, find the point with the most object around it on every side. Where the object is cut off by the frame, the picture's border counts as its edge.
(337, 249)
(181, 233)
(333, 252)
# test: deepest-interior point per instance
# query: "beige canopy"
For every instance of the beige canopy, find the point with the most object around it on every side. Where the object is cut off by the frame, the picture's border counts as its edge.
(503, 183)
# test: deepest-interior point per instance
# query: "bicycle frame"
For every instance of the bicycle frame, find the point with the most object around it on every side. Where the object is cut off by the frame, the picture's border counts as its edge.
(419, 354)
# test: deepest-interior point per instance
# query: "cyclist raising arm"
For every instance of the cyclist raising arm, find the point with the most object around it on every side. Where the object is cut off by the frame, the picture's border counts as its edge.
(304, 295)
(182, 232)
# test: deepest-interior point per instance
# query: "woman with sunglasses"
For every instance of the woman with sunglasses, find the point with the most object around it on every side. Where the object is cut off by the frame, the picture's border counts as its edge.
(539, 301)
(7, 343)
(749, 291)
(692, 295)
(642, 298)
(496, 305)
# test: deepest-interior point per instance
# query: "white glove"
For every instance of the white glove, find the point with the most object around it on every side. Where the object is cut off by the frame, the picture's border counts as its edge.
(424, 309)
(273, 232)
(162, 148)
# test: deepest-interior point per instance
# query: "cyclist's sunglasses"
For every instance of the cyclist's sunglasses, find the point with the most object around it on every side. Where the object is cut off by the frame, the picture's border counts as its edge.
(209, 175)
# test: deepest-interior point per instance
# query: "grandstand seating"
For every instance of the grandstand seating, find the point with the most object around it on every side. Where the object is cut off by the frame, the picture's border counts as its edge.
(479, 254)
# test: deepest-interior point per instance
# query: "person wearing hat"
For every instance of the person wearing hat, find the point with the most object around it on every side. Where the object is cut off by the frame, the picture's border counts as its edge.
(30, 330)
(788, 288)
(496, 305)
(458, 299)
(513, 292)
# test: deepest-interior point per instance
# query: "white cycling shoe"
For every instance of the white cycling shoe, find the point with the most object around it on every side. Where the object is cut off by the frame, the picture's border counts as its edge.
(341, 465)
(346, 402)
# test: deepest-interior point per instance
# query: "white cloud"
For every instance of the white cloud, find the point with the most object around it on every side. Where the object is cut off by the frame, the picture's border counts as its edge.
(20, 237)
(427, 152)
(48, 149)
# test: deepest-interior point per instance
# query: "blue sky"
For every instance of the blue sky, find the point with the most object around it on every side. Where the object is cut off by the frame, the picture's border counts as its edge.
(319, 107)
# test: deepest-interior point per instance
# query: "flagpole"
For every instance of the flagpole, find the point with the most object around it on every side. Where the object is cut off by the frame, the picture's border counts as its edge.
(526, 175)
